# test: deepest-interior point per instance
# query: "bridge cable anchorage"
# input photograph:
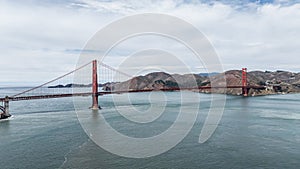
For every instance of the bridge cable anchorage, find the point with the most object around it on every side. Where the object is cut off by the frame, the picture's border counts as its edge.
(60, 77)
(5, 109)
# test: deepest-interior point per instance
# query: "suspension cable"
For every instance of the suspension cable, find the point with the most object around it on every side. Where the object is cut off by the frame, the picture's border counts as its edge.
(52, 80)
(111, 68)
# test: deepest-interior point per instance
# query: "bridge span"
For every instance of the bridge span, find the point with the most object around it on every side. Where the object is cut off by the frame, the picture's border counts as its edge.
(4, 109)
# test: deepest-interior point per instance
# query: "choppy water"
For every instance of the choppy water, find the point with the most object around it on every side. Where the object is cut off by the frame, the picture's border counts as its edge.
(255, 132)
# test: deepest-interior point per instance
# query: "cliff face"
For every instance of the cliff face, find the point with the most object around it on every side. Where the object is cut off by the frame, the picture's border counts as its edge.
(275, 82)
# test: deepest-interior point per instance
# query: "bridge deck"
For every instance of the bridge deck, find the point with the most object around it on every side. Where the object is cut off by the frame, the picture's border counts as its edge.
(120, 92)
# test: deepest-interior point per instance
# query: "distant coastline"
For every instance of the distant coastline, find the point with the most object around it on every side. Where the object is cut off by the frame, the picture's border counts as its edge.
(70, 85)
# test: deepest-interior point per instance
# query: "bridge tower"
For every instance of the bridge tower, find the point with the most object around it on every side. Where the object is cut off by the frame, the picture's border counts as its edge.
(95, 105)
(244, 82)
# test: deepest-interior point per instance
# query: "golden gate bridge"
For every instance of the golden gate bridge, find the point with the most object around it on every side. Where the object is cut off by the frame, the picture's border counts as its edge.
(105, 72)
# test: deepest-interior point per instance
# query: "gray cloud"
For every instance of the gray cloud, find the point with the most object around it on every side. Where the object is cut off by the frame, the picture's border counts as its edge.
(41, 40)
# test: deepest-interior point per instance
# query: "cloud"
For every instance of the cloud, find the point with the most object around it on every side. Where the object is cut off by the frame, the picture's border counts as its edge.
(36, 36)
(43, 39)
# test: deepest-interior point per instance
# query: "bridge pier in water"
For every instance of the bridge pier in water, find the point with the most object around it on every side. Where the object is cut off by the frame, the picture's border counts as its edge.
(95, 105)
(5, 109)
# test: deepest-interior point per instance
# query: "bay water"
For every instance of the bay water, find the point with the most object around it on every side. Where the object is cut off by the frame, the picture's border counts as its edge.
(254, 132)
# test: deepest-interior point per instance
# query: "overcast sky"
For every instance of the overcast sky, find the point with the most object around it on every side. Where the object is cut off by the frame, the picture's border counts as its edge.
(40, 40)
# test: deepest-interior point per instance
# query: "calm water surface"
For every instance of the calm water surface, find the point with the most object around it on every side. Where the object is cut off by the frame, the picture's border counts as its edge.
(255, 132)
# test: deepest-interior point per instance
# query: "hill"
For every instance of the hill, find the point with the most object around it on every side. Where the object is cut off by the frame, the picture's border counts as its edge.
(275, 82)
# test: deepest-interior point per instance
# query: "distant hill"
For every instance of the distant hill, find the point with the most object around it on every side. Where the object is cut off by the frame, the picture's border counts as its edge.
(276, 82)
(70, 85)
(76, 85)
(159, 80)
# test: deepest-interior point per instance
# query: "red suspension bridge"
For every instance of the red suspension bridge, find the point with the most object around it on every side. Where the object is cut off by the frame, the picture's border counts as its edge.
(106, 72)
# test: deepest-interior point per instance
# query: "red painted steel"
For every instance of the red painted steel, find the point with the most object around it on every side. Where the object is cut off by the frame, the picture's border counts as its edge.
(95, 105)
(244, 82)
